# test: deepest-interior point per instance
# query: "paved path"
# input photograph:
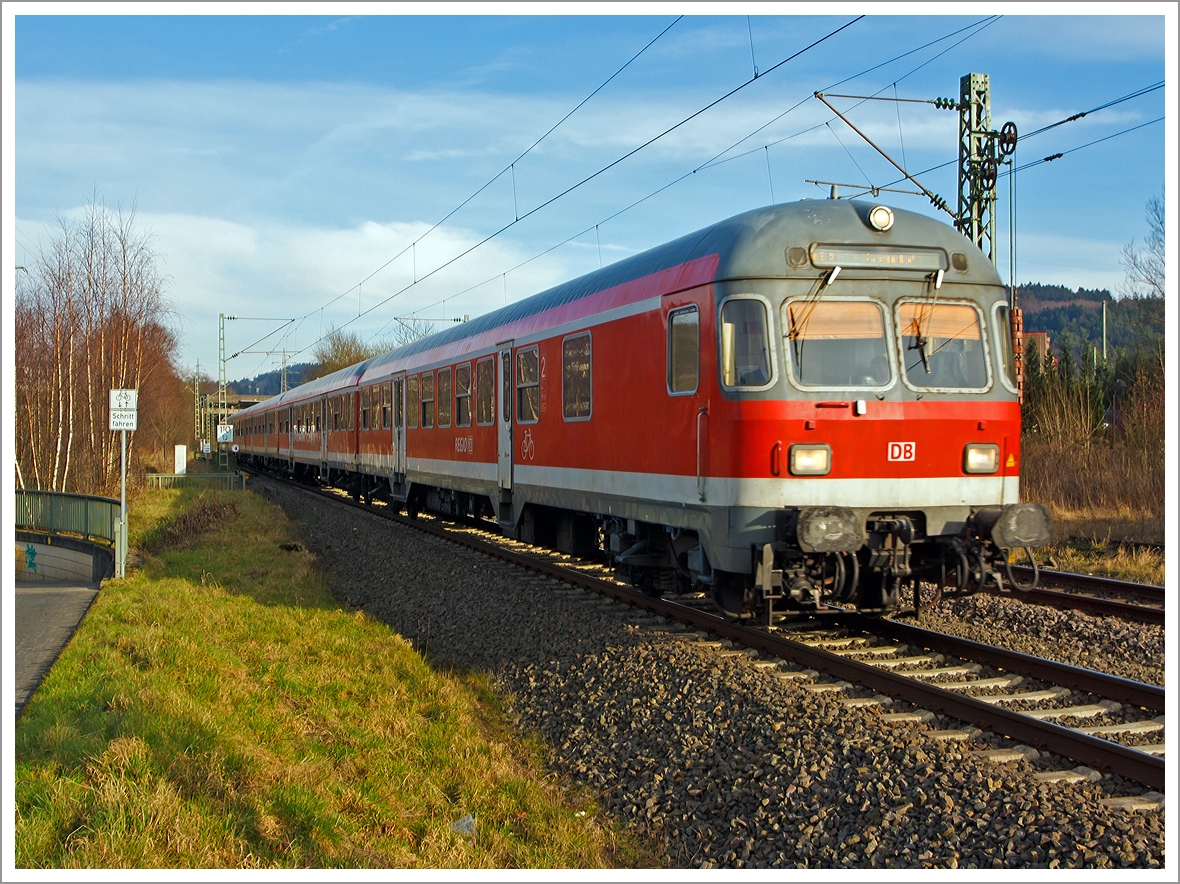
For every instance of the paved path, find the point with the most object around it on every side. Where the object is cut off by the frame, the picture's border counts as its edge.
(46, 616)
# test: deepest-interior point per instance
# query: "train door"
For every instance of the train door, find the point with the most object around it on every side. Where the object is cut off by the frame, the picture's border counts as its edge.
(323, 406)
(399, 428)
(504, 433)
(290, 437)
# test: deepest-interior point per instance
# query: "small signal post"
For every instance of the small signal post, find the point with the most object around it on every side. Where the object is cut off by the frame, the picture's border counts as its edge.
(124, 416)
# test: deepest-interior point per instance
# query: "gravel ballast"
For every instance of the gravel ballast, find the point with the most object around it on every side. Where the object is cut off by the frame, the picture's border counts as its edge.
(713, 756)
(1124, 648)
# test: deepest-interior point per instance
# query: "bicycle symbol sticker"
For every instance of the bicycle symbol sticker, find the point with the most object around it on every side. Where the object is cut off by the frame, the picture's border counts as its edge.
(527, 449)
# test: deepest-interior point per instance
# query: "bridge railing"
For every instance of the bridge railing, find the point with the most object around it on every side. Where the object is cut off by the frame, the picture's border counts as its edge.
(59, 513)
(222, 481)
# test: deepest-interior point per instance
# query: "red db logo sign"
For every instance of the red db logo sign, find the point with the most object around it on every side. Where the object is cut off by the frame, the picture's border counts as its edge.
(901, 450)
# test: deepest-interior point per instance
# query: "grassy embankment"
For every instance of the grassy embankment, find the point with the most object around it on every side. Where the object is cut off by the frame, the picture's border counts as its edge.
(218, 708)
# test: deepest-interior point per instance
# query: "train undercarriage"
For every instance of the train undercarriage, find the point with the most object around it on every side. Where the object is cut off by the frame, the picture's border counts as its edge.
(820, 556)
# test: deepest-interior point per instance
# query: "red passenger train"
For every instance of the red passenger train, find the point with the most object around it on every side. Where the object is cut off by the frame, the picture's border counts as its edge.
(808, 403)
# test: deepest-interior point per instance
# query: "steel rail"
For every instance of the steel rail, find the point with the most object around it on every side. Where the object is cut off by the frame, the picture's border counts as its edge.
(1094, 604)
(1112, 687)
(1090, 583)
(1095, 752)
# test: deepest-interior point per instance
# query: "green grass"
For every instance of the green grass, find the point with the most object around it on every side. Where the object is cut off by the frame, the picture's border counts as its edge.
(219, 709)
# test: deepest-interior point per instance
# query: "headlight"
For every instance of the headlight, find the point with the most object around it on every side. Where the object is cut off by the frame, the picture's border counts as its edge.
(810, 460)
(981, 458)
(881, 217)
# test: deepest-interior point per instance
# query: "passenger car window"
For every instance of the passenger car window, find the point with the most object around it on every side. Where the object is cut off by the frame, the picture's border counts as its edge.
(463, 395)
(528, 386)
(837, 343)
(576, 377)
(684, 351)
(485, 392)
(385, 406)
(942, 345)
(444, 397)
(427, 393)
(412, 401)
(745, 348)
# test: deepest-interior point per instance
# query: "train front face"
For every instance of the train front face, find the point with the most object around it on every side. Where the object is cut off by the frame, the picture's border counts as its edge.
(875, 411)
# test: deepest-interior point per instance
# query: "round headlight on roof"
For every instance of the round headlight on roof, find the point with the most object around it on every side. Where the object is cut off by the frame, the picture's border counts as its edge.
(881, 217)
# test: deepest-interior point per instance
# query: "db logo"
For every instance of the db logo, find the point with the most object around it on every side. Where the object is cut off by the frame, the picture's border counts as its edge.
(901, 450)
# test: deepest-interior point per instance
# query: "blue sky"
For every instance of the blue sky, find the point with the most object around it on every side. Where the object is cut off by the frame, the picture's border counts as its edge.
(279, 160)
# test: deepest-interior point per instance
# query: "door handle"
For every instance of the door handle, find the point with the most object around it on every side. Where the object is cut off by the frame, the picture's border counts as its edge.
(700, 453)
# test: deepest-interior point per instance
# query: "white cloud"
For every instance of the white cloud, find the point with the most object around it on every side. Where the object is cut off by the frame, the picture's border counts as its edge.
(1073, 261)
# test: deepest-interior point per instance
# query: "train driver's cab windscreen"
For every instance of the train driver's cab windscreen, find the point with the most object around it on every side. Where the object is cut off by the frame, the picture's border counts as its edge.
(745, 346)
(837, 343)
(942, 345)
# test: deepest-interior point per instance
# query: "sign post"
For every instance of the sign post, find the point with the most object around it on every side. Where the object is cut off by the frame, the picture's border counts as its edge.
(124, 411)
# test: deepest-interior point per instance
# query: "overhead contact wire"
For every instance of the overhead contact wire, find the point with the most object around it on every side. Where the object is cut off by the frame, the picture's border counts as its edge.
(979, 26)
(604, 169)
(496, 177)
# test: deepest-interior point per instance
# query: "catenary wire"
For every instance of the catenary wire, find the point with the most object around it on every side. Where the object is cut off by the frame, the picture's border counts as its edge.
(593, 175)
(714, 160)
(495, 177)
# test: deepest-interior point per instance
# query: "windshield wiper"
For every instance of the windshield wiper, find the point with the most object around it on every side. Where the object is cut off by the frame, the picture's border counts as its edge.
(922, 339)
(798, 327)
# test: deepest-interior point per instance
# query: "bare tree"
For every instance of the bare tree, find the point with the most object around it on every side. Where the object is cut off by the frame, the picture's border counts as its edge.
(1145, 265)
(90, 317)
(339, 348)
(406, 331)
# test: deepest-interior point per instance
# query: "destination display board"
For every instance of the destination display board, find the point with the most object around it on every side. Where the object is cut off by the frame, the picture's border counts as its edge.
(878, 258)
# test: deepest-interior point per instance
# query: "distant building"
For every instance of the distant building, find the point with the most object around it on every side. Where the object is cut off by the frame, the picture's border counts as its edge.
(1040, 342)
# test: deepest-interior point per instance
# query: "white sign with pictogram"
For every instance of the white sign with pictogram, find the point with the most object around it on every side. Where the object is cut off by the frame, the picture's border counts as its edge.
(225, 432)
(124, 413)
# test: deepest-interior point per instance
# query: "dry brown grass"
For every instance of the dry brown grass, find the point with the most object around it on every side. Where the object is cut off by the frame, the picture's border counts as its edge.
(1095, 482)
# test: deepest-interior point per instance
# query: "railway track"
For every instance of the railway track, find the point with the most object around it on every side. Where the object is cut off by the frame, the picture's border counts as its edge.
(934, 672)
(1097, 595)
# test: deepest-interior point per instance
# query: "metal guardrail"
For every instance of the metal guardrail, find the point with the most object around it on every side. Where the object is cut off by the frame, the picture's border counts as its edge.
(223, 481)
(58, 513)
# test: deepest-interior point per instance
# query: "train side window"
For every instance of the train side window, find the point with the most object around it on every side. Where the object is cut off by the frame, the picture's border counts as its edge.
(463, 395)
(398, 387)
(942, 345)
(351, 398)
(412, 401)
(684, 351)
(1005, 338)
(485, 392)
(528, 386)
(385, 406)
(506, 393)
(576, 377)
(444, 397)
(745, 345)
(427, 400)
(365, 408)
(836, 343)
